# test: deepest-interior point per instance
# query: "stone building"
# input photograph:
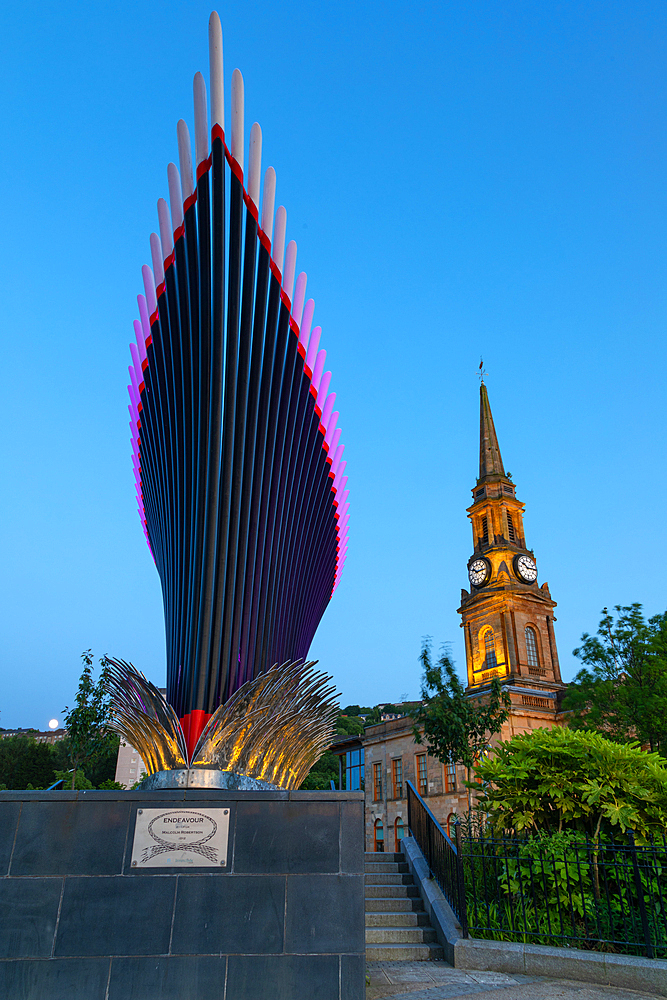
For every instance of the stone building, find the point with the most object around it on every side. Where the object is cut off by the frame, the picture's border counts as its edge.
(50, 736)
(507, 617)
(381, 762)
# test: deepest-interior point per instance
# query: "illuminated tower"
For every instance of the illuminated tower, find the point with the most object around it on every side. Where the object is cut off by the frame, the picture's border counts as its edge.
(507, 616)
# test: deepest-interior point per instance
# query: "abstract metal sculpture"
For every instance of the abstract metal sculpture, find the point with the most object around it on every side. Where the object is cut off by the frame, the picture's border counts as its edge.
(271, 731)
(239, 468)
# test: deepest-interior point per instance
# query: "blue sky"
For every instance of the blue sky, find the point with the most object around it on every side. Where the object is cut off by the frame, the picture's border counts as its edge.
(462, 179)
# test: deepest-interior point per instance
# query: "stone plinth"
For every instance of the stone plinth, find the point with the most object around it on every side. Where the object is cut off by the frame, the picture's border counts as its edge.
(284, 919)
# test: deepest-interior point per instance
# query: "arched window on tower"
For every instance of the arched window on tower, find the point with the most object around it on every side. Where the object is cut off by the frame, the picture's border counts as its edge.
(379, 835)
(489, 649)
(531, 651)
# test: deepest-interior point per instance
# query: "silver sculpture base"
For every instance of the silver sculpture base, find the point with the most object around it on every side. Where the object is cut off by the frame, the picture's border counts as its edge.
(202, 777)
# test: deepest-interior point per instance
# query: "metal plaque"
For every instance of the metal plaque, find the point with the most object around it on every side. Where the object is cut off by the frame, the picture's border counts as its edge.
(181, 838)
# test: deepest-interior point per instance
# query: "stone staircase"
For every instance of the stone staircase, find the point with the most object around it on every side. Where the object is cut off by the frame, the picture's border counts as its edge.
(397, 927)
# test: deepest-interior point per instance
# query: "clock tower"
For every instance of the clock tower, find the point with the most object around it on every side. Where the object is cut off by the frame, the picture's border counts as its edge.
(507, 616)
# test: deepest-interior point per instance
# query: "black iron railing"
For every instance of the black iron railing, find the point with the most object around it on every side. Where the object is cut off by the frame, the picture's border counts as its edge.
(556, 890)
(567, 890)
(442, 856)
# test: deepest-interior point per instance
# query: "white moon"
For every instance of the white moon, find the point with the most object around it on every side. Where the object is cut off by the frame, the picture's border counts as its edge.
(53, 724)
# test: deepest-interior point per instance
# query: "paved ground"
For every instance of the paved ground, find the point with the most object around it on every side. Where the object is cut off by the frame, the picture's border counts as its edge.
(439, 981)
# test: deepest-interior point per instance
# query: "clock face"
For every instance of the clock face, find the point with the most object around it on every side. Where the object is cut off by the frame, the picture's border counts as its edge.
(478, 572)
(526, 569)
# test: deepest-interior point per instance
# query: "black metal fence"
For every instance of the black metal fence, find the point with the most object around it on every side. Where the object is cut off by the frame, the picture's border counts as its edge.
(556, 890)
(567, 890)
(442, 856)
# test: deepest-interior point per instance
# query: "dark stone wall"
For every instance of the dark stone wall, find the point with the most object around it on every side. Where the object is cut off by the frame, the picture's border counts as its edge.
(284, 920)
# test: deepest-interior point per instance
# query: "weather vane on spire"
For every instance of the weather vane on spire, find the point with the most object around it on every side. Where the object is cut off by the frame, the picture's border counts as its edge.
(481, 371)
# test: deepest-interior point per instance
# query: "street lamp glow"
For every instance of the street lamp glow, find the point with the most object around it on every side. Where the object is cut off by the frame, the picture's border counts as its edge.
(53, 724)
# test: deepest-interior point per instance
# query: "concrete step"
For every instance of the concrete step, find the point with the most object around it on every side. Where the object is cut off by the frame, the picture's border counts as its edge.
(385, 891)
(393, 918)
(373, 867)
(404, 953)
(389, 878)
(399, 935)
(381, 856)
(394, 905)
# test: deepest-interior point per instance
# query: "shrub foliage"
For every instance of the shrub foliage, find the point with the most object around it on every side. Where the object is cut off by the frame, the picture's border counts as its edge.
(561, 779)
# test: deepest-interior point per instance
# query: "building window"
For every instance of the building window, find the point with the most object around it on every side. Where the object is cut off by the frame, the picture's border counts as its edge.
(422, 777)
(450, 777)
(398, 830)
(354, 770)
(510, 528)
(397, 777)
(485, 530)
(379, 835)
(531, 647)
(377, 782)
(489, 649)
(451, 820)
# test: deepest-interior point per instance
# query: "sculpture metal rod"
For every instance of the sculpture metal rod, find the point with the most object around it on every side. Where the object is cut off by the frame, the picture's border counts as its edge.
(195, 482)
(264, 513)
(305, 441)
(271, 483)
(217, 679)
(236, 566)
(277, 495)
(202, 658)
(255, 520)
(207, 352)
(261, 298)
(157, 418)
(304, 447)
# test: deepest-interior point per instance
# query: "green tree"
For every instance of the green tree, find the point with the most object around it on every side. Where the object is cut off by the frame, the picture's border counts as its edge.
(373, 716)
(101, 768)
(322, 773)
(622, 689)
(349, 725)
(454, 726)
(561, 779)
(88, 735)
(25, 762)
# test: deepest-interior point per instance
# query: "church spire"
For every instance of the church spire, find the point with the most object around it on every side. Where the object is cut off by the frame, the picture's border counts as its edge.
(506, 614)
(490, 460)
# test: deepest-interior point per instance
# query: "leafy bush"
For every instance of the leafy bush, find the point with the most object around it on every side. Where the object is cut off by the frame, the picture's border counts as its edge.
(559, 779)
(81, 782)
(544, 865)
